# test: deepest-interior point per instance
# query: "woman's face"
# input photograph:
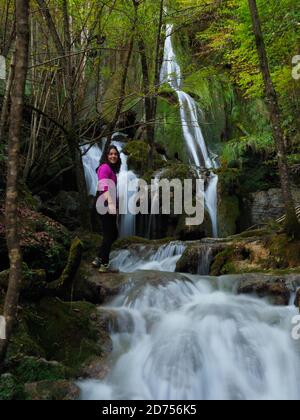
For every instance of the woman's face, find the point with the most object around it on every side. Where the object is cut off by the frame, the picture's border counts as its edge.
(113, 157)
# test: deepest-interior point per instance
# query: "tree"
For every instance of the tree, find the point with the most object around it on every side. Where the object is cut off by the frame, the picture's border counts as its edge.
(292, 224)
(16, 111)
(65, 53)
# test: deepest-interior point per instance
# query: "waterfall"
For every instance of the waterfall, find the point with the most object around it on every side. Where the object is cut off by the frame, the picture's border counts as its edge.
(192, 340)
(91, 158)
(142, 257)
(127, 225)
(194, 139)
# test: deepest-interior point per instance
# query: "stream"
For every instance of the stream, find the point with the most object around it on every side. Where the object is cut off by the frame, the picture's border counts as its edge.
(195, 339)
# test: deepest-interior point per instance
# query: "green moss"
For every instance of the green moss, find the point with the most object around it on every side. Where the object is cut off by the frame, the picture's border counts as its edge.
(138, 154)
(222, 263)
(169, 130)
(8, 387)
(285, 253)
(31, 369)
(228, 215)
(65, 331)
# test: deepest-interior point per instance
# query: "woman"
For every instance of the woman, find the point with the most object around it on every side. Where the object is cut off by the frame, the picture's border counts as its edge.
(110, 166)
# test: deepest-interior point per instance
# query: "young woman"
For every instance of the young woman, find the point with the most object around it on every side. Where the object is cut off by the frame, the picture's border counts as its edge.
(110, 166)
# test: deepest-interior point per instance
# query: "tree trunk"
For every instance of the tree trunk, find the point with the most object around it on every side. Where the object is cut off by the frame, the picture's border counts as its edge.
(16, 113)
(292, 223)
(5, 106)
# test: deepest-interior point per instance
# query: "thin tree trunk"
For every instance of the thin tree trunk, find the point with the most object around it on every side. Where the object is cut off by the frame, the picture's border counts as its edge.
(292, 223)
(17, 103)
(5, 106)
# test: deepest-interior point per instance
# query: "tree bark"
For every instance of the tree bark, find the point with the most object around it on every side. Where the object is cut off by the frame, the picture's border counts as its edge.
(16, 113)
(5, 106)
(292, 225)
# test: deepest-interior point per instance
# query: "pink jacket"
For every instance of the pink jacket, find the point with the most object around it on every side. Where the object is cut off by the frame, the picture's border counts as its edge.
(105, 173)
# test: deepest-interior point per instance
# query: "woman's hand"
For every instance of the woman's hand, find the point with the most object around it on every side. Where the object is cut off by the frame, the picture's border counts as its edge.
(112, 208)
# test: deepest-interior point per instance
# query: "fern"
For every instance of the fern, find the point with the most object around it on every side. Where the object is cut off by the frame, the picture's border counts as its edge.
(236, 149)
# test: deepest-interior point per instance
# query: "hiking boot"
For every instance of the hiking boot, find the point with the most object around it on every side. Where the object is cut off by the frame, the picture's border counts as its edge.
(104, 268)
(97, 262)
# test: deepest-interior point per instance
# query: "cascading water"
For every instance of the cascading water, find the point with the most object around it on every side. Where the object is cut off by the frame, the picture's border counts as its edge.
(195, 142)
(192, 338)
(127, 221)
(91, 158)
(143, 258)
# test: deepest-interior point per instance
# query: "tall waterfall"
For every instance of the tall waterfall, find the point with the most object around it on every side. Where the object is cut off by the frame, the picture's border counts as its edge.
(195, 142)
(91, 158)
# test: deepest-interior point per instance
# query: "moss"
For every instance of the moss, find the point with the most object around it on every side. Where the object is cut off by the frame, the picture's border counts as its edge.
(169, 130)
(228, 215)
(138, 154)
(284, 253)
(189, 262)
(222, 263)
(32, 369)
(65, 331)
(8, 387)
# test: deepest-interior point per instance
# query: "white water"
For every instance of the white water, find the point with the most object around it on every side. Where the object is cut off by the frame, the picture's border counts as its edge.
(191, 340)
(194, 339)
(141, 257)
(127, 226)
(195, 142)
(91, 158)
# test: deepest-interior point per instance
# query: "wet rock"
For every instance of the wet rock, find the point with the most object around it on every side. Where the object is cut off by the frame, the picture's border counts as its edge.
(297, 300)
(100, 288)
(199, 256)
(52, 391)
(269, 205)
(274, 289)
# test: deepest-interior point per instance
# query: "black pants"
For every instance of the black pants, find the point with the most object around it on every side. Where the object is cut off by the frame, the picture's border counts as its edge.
(110, 235)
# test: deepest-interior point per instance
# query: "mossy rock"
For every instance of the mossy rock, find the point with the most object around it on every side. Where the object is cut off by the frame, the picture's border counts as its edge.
(32, 369)
(284, 253)
(44, 242)
(9, 388)
(138, 156)
(69, 333)
(52, 391)
(189, 262)
(228, 215)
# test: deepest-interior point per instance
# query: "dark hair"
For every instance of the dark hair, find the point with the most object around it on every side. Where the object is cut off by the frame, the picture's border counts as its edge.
(116, 168)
